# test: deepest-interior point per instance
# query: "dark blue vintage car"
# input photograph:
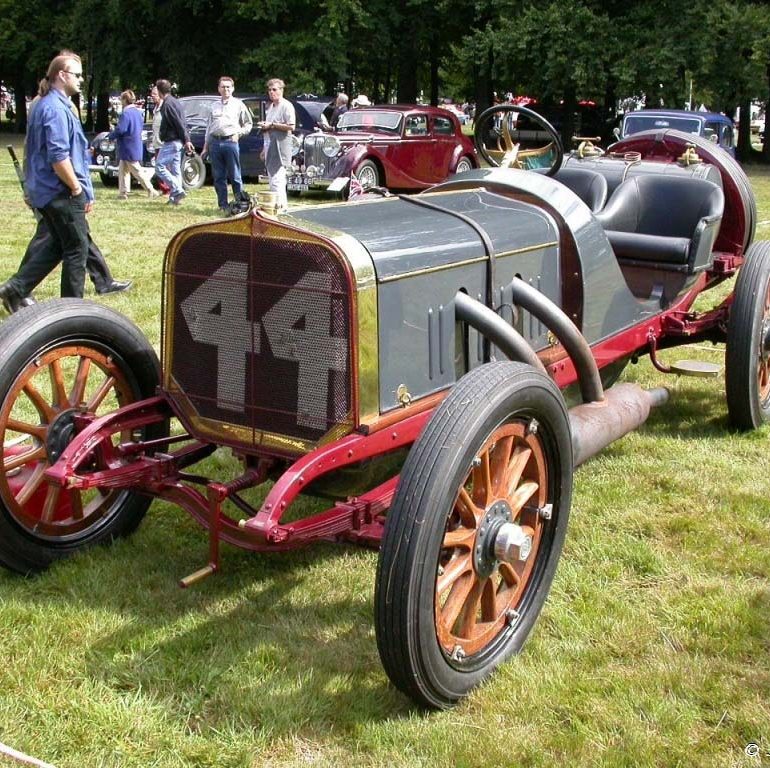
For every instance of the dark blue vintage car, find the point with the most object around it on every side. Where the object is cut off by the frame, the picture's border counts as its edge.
(197, 109)
(713, 126)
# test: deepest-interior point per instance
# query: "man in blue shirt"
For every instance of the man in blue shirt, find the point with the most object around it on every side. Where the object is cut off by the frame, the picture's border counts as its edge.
(58, 182)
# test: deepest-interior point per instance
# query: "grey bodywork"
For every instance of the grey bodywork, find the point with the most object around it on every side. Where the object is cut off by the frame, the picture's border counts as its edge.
(423, 257)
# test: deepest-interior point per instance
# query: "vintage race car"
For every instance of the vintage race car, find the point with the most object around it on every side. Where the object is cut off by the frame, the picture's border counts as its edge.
(398, 147)
(435, 365)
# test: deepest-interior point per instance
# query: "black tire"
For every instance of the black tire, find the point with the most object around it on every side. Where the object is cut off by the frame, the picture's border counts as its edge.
(747, 358)
(82, 344)
(500, 406)
(368, 174)
(193, 171)
(107, 180)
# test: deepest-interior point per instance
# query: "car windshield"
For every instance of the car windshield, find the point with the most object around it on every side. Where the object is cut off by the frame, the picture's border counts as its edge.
(636, 123)
(370, 120)
(197, 109)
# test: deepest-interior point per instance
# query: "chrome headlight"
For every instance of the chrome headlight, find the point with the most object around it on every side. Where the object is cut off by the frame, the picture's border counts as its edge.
(106, 145)
(311, 171)
(331, 146)
(296, 144)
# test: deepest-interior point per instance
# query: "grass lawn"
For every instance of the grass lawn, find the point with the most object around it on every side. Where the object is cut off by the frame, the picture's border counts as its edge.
(653, 648)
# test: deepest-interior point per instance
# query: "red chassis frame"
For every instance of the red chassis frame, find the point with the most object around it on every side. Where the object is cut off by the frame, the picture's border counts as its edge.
(93, 460)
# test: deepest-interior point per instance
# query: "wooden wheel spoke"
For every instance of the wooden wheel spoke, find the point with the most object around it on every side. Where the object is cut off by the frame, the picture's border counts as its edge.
(57, 384)
(43, 407)
(459, 537)
(79, 385)
(34, 482)
(468, 511)
(51, 502)
(36, 430)
(489, 601)
(461, 589)
(20, 459)
(521, 457)
(76, 504)
(522, 495)
(500, 458)
(468, 613)
(455, 569)
(98, 397)
(509, 575)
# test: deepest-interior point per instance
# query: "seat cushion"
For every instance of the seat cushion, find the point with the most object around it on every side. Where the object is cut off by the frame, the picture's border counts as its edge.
(654, 248)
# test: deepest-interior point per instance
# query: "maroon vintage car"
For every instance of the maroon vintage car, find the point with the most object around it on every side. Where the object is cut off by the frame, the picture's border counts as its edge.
(395, 146)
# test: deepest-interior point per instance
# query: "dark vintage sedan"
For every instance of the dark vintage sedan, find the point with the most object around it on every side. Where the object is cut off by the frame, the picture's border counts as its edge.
(399, 147)
(196, 170)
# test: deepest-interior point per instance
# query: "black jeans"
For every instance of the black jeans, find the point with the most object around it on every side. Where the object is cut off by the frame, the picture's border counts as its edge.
(44, 253)
(65, 217)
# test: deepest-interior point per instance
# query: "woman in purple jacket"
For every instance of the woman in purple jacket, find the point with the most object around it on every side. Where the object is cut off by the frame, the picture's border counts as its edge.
(128, 133)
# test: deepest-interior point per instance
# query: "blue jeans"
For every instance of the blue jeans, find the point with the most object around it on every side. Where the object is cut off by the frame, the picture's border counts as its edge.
(168, 166)
(226, 167)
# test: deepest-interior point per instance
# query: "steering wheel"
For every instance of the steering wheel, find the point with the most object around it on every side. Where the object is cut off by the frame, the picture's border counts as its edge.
(495, 131)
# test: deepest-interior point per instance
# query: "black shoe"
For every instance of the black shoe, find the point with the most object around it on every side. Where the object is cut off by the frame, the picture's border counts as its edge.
(11, 300)
(116, 286)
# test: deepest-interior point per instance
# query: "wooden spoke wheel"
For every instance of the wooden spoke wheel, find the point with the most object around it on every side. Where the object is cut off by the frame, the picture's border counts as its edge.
(477, 595)
(474, 534)
(63, 363)
(747, 359)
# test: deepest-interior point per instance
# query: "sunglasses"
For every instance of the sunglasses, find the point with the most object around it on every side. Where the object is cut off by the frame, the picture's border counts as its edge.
(78, 75)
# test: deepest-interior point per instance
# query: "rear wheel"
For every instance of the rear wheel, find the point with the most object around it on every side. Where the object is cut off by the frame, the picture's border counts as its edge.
(463, 165)
(107, 180)
(193, 171)
(60, 361)
(747, 360)
(474, 534)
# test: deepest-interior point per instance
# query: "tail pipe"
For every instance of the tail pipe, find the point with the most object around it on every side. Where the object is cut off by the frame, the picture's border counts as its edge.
(625, 408)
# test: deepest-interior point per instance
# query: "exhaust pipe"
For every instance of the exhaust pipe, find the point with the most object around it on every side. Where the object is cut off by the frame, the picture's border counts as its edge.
(624, 409)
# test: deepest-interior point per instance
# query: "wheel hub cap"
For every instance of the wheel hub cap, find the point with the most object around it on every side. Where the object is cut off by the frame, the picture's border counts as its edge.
(60, 434)
(484, 556)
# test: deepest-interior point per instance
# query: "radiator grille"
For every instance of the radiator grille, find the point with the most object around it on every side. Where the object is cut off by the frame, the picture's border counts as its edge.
(257, 335)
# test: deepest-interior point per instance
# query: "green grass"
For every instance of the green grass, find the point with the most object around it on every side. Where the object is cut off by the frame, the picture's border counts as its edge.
(652, 649)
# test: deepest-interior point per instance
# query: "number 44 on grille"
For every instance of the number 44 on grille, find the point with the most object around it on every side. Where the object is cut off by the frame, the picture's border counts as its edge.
(434, 365)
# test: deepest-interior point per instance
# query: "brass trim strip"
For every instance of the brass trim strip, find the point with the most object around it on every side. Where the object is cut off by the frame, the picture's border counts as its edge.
(475, 260)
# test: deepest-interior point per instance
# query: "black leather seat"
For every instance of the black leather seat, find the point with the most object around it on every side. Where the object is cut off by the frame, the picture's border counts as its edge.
(666, 222)
(589, 186)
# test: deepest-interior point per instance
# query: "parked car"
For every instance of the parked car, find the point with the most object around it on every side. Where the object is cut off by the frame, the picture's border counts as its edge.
(394, 146)
(710, 125)
(435, 365)
(457, 111)
(196, 170)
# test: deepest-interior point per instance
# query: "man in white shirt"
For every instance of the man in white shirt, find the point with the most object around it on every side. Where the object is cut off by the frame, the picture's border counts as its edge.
(278, 125)
(229, 120)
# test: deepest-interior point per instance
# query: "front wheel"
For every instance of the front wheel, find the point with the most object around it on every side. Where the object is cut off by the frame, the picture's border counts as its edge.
(61, 363)
(474, 534)
(747, 359)
(107, 180)
(368, 174)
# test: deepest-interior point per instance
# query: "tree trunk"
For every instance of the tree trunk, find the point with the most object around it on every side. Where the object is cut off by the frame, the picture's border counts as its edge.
(20, 107)
(766, 143)
(744, 131)
(103, 111)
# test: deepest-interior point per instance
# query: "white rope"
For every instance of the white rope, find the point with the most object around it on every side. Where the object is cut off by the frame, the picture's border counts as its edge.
(22, 758)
